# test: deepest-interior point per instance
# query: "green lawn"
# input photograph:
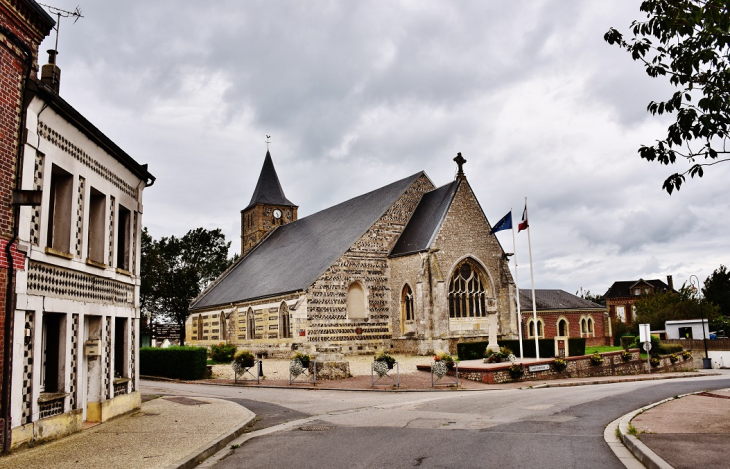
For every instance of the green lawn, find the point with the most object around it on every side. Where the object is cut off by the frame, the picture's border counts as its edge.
(602, 349)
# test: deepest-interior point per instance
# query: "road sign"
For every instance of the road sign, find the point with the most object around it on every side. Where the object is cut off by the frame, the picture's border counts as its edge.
(647, 346)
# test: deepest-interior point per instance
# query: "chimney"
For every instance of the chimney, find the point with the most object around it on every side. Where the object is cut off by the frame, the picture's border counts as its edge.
(670, 282)
(50, 73)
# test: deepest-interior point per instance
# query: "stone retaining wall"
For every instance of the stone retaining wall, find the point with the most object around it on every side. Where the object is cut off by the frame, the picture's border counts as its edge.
(578, 367)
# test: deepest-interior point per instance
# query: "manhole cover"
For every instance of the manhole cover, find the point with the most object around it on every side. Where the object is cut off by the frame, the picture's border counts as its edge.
(185, 400)
(315, 428)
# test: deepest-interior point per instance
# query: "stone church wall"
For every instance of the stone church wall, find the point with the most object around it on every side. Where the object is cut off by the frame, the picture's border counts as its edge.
(465, 233)
(366, 261)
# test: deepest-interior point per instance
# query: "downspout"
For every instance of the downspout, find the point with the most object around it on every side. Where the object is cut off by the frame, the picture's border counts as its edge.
(9, 293)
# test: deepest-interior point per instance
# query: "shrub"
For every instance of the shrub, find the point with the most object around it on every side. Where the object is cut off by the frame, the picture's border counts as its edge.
(173, 362)
(596, 359)
(471, 350)
(560, 365)
(626, 355)
(627, 341)
(687, 355)
(222, 353)
(665, 349)
(516, 371)
(655, 362)
(674, 358)
(654, 343)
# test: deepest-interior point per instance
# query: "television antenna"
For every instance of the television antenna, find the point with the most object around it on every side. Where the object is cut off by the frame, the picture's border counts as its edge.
(76, 14)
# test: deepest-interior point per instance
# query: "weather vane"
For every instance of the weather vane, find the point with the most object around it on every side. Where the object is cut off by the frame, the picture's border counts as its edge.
(267, 142)
(62, 14)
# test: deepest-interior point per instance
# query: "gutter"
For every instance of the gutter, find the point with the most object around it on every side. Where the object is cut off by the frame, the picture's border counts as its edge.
(9, 292)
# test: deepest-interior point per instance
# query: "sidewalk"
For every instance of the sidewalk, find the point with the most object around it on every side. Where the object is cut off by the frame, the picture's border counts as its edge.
(687, 432)
(166, 432)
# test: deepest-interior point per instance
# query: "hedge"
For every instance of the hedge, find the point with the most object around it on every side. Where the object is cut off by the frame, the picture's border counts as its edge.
(173, 362)
(666, 349)
(627, 341)
(576, 346)
(471, 350)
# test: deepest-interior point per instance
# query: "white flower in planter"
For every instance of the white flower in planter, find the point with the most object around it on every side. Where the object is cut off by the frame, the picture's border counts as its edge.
(381, 368)
(439, 368)
(295, 367)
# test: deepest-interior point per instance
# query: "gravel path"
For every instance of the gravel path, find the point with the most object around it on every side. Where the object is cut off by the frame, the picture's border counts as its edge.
(278, 369)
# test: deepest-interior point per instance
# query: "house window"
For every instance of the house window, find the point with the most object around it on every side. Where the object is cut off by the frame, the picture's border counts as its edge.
(123, 217)
(59, 210)
(284, 326)
(637, 291)
(563, 328)
(467, 294)
(97, 211)
(120, 347)
(621, 313)
(250, 325)
(531, 329)
(407, 303)
(356, 301)
(52, 343)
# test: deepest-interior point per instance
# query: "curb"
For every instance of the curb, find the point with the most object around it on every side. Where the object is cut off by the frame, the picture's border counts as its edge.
(694, 374)
(642, 452)
(208, 449)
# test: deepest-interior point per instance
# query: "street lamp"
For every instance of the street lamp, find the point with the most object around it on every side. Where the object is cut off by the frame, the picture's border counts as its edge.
(695, 282)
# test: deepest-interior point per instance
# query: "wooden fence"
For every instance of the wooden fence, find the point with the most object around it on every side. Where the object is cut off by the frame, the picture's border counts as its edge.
(718, 344)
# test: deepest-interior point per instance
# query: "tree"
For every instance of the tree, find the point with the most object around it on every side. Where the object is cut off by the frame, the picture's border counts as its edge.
(692, 48)
(659, 307)
(176, 270)
(717, 289)
(587, 295)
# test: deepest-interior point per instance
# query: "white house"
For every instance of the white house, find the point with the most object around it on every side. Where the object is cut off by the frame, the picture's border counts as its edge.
(76, 319)
(687, 329)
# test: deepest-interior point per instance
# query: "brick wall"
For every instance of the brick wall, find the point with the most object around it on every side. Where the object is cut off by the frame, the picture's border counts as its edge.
(550, 324)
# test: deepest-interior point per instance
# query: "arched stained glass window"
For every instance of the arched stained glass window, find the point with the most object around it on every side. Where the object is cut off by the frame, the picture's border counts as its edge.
(284, 329)
(250, 325)
(467, 292)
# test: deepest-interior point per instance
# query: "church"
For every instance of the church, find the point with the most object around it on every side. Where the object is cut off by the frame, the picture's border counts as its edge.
(406, 268)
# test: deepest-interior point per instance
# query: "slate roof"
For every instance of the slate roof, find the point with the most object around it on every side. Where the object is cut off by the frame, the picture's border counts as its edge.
(268, 188)
(623, 288)
(294, 255)
(424, 225)
(554, 299)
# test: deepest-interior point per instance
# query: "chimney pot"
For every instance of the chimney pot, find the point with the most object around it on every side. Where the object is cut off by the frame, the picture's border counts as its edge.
(670, 282)
(50, 73)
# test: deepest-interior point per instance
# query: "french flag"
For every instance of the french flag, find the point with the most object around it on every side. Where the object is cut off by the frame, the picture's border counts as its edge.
(523, 224)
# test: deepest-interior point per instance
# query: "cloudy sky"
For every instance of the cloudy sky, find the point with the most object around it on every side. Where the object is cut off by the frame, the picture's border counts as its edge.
(357, 94)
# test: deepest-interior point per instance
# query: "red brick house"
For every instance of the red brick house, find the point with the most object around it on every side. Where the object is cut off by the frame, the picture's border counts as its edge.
(23, 25)
(561, 314)
(621, 296)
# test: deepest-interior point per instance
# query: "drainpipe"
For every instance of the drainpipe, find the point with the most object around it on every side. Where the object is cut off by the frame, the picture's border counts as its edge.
(9, 293)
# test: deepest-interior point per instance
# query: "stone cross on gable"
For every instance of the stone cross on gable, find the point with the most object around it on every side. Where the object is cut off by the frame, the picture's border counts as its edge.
(460, 160)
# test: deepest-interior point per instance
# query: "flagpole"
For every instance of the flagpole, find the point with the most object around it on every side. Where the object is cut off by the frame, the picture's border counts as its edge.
(532, 281)
(517, 287)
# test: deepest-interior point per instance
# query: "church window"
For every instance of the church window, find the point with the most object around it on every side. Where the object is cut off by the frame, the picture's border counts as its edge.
(590, 326)
(200, 327)
(583, 326)
(563, 327)
(356, 301)
(467, 293)
(223, 326)
(284, 325)
(251, 325)
(407, 303)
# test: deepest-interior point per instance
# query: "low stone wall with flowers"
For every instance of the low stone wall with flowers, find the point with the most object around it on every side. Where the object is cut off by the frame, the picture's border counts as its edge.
(577, 367)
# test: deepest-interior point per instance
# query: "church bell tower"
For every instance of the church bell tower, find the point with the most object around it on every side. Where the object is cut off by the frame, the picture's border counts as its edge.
(268, 208)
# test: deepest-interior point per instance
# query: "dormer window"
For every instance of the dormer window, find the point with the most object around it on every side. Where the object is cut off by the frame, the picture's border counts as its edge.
(637, 291)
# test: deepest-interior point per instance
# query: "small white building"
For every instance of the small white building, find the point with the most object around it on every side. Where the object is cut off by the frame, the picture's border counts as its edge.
(76, 319)
(687, 329)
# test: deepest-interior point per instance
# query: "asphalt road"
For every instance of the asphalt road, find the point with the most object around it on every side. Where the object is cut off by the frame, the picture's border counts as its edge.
(546, 428)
